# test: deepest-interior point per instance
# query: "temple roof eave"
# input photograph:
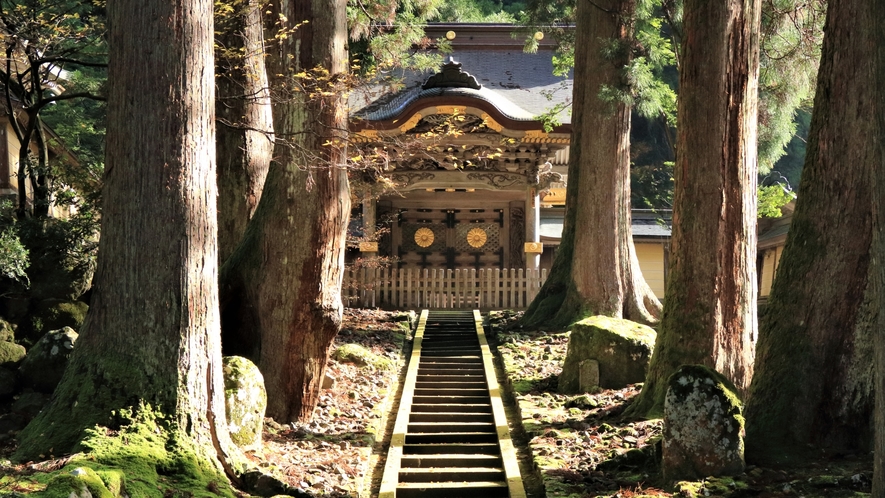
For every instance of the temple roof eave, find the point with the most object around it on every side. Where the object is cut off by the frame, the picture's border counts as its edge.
(508, 124)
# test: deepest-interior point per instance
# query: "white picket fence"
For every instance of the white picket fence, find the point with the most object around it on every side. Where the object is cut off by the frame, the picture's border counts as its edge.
(414, 288)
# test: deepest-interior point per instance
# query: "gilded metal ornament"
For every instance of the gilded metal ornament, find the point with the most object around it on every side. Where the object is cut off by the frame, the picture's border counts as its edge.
(424, 237)
(477, 237)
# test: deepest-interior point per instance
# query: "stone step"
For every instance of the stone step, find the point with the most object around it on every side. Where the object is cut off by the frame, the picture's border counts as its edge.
(451, 474)
(489, 489)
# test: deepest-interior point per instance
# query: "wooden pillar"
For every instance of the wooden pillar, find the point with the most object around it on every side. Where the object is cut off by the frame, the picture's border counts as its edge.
(532, 226)
(369, 248)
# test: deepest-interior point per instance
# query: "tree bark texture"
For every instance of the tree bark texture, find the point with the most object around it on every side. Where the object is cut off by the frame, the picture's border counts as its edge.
(877, 262)
(710, 312)
(603, 277)
(814, 379)
(244, 143)
(152, 332)
(282, 287)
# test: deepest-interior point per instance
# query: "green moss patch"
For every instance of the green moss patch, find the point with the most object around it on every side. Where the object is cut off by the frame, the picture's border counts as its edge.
(360, 355)
(144, 458)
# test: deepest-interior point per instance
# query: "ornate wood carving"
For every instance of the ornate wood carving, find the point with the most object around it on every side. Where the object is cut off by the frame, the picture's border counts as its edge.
(410, 178)
(498, 180)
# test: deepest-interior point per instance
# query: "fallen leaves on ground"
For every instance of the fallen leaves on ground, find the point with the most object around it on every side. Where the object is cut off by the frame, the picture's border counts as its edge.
(330, 455)
(583, 448)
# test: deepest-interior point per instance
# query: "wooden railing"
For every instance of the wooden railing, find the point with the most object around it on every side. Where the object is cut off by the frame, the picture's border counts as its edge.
(413, 288)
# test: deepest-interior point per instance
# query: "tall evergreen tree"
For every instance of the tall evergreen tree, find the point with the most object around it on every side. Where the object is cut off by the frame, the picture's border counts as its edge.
(603, 277)
(814, 369)
(710, 316)
(244, 143)
(281, 289)
(152, 332)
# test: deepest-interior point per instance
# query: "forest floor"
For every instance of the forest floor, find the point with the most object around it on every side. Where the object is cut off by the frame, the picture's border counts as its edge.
(572, 446)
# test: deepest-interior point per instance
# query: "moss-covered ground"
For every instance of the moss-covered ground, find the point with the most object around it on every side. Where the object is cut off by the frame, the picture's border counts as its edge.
(328, 457)
(142, 458)
(583, 446)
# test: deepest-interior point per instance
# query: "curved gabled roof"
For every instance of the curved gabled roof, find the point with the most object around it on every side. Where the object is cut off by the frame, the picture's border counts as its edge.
(401, 101)
(441, 93)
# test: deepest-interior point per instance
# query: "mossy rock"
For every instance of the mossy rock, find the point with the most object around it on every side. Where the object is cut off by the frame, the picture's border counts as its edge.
(359, 355)
(622, 349)
(45, 363)
(703, 426)
(11, 354)
(245, 401)
(80, 482)
(54, 314)
(7, 333)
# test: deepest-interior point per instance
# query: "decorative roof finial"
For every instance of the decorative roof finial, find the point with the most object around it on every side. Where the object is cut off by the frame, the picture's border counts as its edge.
(451, 76)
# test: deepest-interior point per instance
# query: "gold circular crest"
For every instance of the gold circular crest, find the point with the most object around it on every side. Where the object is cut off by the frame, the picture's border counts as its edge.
(424, 237)
(477, 237)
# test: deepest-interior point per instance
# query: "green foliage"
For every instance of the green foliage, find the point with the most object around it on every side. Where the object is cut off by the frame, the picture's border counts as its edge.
(79, 127)
(651, 186)
(478, 11)
(383, 33)
(13, 256)
(792, 32)
(14, 259)
(49, 47)
(771, 199)
(789, 166)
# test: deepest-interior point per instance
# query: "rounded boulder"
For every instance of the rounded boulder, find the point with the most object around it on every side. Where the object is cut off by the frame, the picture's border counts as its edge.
(703, 426)
(45, 362)
(245, 401)
(606, 352)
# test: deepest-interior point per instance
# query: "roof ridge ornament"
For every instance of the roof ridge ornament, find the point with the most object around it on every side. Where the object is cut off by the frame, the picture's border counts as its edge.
(451, 76)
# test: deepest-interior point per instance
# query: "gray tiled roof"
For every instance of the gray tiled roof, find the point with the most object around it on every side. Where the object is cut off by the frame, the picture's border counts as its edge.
(552, 228)
(402, 100)
(525, 80)
(774, 232)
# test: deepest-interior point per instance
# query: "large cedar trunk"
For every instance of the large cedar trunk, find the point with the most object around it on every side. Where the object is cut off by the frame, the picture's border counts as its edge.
(814, 367)
(603, 278)
(244, 143)
(152, 332)
(282, 286)
(710, 312)
(878, 266)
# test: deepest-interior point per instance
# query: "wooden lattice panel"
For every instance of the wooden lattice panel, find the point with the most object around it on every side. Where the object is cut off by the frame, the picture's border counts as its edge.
(423, 237)
(477, 237)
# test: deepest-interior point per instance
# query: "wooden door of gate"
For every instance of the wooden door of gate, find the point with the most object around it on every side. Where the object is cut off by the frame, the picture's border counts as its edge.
(451, 238)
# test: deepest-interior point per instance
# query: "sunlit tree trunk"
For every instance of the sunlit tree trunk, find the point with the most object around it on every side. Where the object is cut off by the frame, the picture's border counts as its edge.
(152, 331)
(710, 312)
(244, 142)
(814, 379)
(603, 277)
(282, 286)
